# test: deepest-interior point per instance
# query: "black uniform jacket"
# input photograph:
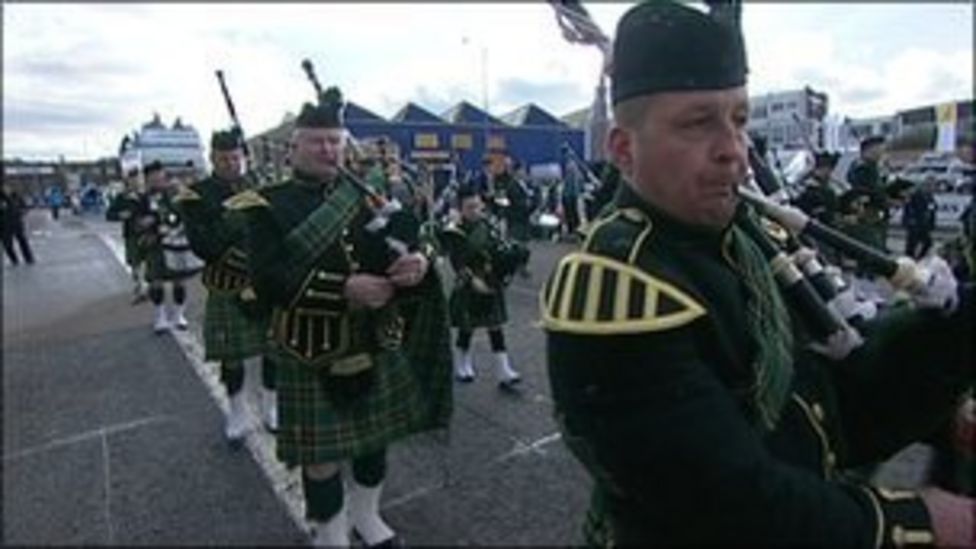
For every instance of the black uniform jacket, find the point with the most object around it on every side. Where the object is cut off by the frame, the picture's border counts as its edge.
(649, 361)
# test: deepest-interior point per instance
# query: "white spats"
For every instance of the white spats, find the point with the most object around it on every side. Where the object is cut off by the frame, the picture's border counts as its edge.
(269, 408)
(364, 514)
(463, 368)
(178, 317)
(506, 374)
(332, 533)
(161, 323)
(238, 422)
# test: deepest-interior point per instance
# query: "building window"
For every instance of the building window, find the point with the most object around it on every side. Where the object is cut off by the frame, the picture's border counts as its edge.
(776, 107)
(759, 112)
(496, 142)
(425, 141)
(461, 141)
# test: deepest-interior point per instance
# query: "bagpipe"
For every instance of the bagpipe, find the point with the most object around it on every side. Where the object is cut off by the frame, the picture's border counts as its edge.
(391, 227)
(238, 130)
(168, 232)
(493, 261)
(823, 306)
(827, 305)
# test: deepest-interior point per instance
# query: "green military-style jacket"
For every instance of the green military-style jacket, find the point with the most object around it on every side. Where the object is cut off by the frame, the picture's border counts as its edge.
(216, 235)
(235, 323)
(123, 208)
(819, 201)
(350, 380)
(468, 246)
(651, 368)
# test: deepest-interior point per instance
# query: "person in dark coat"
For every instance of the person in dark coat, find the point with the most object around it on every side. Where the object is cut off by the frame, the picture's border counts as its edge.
(683, 381)
(12, 210)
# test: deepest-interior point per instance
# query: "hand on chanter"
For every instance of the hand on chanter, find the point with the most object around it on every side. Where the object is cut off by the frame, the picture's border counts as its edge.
(408, 270)
(368, 291)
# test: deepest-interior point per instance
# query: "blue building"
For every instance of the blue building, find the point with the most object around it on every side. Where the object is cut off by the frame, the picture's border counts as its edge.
(529, 135)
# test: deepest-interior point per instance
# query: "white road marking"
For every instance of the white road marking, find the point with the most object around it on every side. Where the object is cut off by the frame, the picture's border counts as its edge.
(534, 447)
(73, 439)
(285, 484)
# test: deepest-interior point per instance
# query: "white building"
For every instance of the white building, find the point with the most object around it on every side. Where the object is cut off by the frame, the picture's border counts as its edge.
(178, 148)
(790, 120)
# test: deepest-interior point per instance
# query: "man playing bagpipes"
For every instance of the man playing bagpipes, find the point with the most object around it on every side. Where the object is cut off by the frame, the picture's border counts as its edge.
(123, 208)
(235, 325)
(162, 238)
(696, 374)
(484, 263)
(358, 328)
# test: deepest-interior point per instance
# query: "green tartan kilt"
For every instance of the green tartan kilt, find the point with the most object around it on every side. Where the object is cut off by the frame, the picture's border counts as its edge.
(470, 309)
(229, 334)
(314, 427)
(134, 254)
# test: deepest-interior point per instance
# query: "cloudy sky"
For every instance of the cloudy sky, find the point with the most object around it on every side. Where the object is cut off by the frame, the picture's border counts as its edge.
(76, 78)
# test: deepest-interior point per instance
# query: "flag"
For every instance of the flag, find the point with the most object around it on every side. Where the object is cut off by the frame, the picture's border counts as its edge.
(945, 116)
(577, 25)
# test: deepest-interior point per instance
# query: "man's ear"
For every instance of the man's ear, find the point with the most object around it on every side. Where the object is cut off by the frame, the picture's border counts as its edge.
(620, 147)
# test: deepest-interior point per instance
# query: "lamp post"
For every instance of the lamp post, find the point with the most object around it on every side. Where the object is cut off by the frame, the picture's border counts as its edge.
(465, 40)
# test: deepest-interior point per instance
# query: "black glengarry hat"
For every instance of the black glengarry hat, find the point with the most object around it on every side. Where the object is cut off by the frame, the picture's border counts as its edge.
(225, 140)
(328, 113)
(662, 45)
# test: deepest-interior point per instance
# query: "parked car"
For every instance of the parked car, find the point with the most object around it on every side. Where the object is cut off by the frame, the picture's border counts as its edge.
(949, 175)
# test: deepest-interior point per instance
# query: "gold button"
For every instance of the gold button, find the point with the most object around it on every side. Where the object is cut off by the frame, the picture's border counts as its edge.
(818, 411)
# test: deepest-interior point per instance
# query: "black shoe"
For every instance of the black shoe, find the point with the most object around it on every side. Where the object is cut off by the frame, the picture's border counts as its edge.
(464, 379)
(394, 542)
(510, 385)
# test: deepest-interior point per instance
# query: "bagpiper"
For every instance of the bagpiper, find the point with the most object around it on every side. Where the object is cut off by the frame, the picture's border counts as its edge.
(483, 261)
(358, 327)
(682, 379)
(161, 236)
(235, 324)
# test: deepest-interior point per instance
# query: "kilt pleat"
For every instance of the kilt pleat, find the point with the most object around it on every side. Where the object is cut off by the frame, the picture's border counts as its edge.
(228, 333)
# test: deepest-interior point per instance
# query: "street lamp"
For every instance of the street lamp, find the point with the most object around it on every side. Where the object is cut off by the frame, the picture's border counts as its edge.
(465, 40)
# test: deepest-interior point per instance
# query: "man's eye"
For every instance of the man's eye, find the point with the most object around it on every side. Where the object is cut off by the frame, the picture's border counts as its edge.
(694, 123)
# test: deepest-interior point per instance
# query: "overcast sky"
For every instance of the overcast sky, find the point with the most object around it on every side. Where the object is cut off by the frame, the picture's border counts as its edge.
(76, 78)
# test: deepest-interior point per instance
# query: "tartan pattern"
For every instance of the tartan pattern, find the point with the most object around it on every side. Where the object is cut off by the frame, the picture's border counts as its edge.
(228, 333)
(283, 252)
(768, 323)
(315, 428)
(315, 234)
(412, 391)
(470, 309)
(428, 348)
(134, 254)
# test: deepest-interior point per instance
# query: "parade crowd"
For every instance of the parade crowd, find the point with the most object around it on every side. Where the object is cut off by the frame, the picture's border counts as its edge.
(710, 399)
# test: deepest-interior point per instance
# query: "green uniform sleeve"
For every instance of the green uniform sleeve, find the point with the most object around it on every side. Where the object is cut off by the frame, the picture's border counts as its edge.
(906, 379)
(661, 433)
(210, 230)
(282, 259)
